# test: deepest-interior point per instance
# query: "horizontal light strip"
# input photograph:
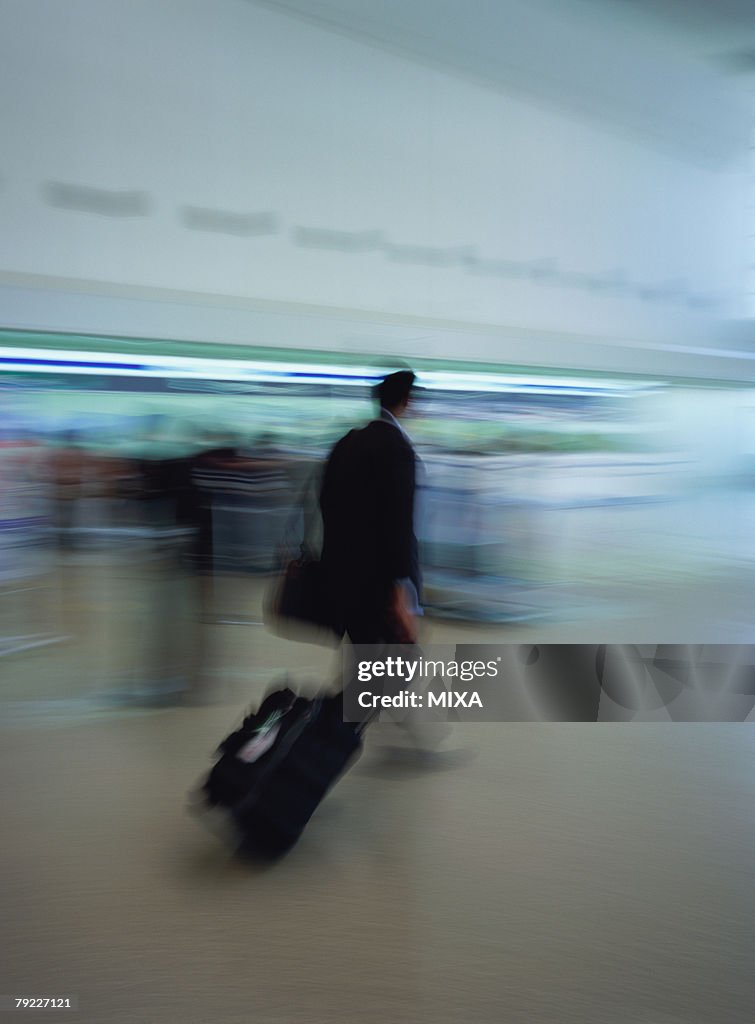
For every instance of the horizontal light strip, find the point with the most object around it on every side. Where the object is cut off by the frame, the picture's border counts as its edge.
(29, 360)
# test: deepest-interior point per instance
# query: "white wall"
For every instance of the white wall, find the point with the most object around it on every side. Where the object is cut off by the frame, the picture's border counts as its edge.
(437, 201)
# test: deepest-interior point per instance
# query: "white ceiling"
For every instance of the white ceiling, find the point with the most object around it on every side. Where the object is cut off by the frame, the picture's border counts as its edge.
(663, 69)
(719, 31)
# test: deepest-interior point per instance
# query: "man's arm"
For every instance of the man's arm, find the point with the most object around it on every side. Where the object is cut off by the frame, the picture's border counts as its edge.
(397, 512)
(400, 544)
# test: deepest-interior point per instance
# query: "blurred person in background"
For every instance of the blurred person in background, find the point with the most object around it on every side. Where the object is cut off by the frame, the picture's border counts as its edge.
(234, 503)
(207, 469)
(163, 474)
(67, 471)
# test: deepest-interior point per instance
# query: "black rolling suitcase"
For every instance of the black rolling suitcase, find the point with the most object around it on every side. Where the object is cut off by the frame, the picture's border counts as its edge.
(274, 771)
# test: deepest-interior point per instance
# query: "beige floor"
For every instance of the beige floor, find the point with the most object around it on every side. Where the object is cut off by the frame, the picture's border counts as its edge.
(595, 874)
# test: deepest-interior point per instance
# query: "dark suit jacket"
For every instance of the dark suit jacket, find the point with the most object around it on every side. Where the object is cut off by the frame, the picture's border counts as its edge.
(367, 504)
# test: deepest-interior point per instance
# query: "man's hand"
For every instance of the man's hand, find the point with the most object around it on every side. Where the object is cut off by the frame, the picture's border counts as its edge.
(401, 617)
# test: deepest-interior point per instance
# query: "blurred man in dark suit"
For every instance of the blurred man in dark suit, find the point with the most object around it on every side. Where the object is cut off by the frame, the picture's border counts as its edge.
(370, 557)
(369, 545)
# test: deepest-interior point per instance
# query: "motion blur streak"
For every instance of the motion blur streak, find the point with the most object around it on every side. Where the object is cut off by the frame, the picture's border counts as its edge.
(134, 502)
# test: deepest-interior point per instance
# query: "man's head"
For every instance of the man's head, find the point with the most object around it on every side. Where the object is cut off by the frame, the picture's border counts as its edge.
(394, 391)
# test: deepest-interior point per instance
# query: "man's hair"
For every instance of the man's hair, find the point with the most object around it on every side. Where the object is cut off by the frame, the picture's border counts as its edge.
(394, 389)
